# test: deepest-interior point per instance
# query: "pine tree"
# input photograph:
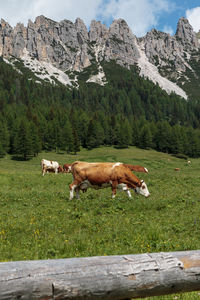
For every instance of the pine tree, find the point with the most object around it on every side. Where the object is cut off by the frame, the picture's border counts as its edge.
(176, 142)
(68, 137)
(193, 142)
(163, 137)
(4, 136)
(76, 146)
(95, 134)
(123, 134)
(24, 142)
(35, 140)
(145, 137)
(135, 133)
(2, 151)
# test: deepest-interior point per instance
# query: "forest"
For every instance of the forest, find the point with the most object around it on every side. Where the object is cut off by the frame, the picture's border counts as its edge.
(128, 111)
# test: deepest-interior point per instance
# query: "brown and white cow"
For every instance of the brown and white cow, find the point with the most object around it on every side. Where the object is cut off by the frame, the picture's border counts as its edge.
(103, 175)
(67, 168)
(137, 168)
(50, 166)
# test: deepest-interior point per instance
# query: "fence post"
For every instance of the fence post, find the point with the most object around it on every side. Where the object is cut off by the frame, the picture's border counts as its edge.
(101, 277)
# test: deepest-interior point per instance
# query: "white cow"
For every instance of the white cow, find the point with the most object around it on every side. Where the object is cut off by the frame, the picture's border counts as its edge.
(49, 165)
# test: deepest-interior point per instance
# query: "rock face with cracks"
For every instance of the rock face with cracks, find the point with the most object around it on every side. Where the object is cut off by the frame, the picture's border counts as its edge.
(68, 46)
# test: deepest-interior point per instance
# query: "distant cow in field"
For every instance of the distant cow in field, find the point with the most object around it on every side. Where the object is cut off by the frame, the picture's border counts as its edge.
(102, 175)
(67, 168)
(137, 168)
(60, 169)
(50, 166)
(177, 169)
(189, 162)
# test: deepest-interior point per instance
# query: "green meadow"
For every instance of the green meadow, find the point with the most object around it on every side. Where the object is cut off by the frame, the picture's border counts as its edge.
(38, 221)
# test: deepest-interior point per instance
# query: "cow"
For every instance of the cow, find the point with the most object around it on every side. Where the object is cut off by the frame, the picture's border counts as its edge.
(137, 168)
(60, 169)
(103, 175)
(177, 169)
(49, 166)
(67, 168)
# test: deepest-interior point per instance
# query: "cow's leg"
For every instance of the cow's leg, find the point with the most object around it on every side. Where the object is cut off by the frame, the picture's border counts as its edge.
(72, 187)
(56, 170)
(114, 188)
(126, 189)
(77, 193)
(43, 170)
(128, 193)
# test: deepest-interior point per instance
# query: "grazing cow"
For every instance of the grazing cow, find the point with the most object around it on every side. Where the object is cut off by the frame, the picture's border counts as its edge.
(49, 166)
(102, 175)
(60, 169)
(137, 168)
(67, 168)
(177, 169)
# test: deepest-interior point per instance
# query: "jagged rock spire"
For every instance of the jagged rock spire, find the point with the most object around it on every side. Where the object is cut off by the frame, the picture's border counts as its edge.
(185, 32)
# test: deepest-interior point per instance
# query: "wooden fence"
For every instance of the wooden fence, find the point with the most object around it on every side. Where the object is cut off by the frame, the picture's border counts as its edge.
(101, 277)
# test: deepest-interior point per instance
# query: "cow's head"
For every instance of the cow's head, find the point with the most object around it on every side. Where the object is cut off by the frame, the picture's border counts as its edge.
(142, 189)
(67, 168)
(60, 169)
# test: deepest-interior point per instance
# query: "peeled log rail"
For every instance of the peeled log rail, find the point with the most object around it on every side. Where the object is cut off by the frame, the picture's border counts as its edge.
(101, 277)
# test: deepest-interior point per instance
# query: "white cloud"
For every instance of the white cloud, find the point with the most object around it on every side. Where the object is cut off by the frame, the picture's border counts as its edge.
(140, 15)
(168, 29)
(14, 11)
(193, 16)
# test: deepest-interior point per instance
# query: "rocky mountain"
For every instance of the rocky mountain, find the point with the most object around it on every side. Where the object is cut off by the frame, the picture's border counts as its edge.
(61, 51)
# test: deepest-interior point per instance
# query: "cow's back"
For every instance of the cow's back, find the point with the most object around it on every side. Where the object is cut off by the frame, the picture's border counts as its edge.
(102, 172)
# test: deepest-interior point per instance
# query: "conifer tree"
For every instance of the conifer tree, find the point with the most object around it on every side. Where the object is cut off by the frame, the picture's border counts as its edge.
(24, 142)
(4, 136)
(2, 150)
(68, 137)
(145, 137)
(95, 134)
(123, 134)
(163, 137)
(135, 133)
(35, 140)
(176, 141)
(76, 145)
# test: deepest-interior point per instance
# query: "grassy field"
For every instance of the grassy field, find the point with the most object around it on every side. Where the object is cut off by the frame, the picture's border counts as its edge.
(38, 221)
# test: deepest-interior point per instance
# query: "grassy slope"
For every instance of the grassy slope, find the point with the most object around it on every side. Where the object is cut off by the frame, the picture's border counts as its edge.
(38, 221)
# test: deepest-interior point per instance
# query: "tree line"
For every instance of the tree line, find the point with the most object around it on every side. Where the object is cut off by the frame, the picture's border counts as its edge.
(128, 110)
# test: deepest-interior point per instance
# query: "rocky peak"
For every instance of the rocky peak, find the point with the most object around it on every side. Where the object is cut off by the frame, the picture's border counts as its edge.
(185, 33)
(81, 29)
(98, 31)
(69, 46)
(120, 30)
(5, 24)
(43, 21)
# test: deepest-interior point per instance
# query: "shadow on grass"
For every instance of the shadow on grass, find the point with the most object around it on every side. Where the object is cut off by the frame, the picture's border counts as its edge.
(20, 158)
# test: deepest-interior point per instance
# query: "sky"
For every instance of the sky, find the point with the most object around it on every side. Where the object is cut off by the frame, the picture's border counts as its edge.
(140, 15)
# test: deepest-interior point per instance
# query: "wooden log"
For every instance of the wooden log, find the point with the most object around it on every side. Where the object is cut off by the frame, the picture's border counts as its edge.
(103, 277)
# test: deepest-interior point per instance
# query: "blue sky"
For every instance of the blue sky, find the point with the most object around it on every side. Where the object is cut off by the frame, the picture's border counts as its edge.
(140, 15)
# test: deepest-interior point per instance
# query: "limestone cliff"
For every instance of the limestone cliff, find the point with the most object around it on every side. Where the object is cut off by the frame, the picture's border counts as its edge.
(69, 47)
